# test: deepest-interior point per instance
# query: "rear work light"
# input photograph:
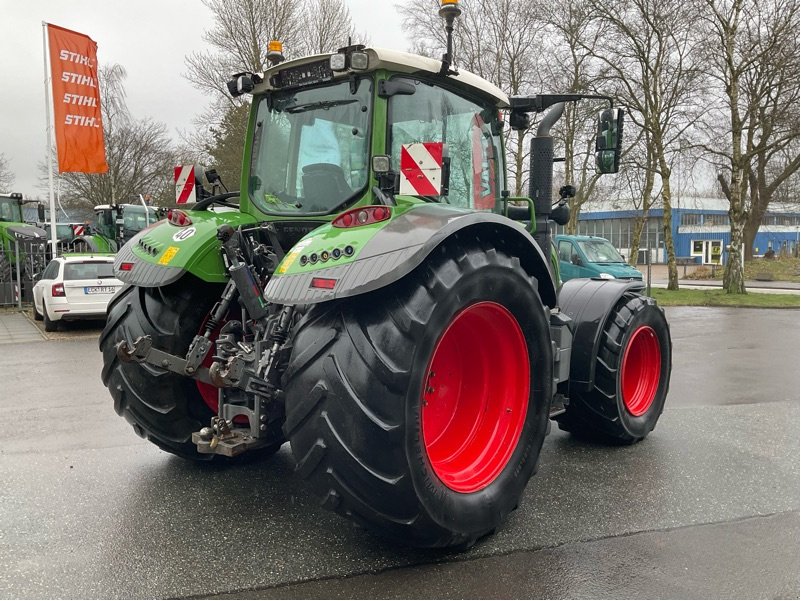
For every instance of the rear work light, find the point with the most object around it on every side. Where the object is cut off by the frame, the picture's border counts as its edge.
(57, 290)
(178, 217)
(362, 216)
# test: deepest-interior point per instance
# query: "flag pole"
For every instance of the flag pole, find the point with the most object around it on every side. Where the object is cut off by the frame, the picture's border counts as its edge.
(48, 136)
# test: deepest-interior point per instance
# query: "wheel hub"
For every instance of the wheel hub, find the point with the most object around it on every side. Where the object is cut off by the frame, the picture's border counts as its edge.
(475, 397)
(641, 370)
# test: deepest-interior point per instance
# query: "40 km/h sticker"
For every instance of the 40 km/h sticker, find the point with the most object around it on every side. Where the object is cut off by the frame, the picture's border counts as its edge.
(184, 234)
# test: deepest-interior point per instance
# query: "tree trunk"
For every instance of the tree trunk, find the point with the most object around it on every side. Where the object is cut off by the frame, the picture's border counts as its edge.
(667, 219)
(639, 224)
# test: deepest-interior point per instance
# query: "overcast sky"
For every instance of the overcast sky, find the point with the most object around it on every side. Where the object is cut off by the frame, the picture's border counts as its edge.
(150, 38)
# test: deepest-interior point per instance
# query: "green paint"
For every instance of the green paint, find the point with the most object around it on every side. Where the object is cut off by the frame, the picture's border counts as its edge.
(198, 253)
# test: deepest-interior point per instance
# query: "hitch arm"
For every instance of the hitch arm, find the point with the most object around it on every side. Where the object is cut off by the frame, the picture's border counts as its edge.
(142, 351)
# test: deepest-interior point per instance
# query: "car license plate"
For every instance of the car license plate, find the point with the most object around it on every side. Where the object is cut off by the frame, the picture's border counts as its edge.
(99, 289)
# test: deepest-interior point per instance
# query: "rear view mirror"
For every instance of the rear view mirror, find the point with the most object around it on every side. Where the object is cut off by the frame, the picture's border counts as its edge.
(40, 211)
(608, 142)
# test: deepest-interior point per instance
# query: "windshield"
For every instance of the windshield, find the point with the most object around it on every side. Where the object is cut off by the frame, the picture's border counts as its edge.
(311, 148)
(600, 251)
(10, 211)
(135, 220)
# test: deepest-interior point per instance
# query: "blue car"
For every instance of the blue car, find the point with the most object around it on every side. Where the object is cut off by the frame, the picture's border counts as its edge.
(591, 257)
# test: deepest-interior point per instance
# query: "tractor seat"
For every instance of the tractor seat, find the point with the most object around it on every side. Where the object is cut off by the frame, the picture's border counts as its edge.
(324, 186)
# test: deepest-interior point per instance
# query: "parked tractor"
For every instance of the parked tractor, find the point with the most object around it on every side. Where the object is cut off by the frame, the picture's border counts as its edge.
(113, 226)
(16, 234)
(371, 300)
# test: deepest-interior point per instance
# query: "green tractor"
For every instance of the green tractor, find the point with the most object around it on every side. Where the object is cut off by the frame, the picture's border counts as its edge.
(114, 225)
(372, 297)
(16, 234)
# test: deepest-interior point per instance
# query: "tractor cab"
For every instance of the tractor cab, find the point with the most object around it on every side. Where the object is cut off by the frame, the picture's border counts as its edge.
(114, 225)
(11, 208)
(364, 125)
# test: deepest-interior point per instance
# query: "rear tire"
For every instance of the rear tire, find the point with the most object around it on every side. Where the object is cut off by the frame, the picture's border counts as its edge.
(163, 407)
(632, 374)
(49, 325)
(36, 315)
(419, 410)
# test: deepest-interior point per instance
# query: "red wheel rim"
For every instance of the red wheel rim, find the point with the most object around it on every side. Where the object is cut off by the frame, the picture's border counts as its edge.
(475, 397)
(642, 366)
(207, 391)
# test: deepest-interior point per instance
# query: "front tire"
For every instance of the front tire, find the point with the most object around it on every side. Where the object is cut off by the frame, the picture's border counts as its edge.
(632, 374)
(162, 406)
(419, 410)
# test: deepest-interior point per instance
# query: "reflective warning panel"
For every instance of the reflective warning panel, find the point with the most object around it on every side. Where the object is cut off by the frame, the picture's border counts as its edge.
(421, 168)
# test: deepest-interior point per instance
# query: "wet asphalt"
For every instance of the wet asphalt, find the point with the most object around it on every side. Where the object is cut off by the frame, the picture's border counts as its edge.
(705, 507)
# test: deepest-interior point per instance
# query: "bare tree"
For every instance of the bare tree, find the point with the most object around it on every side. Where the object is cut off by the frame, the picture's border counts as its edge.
(6, 176)
(572, 34)
(648, 52)
(240, 40)
(745, 37)
(325, 27)
(771, 92)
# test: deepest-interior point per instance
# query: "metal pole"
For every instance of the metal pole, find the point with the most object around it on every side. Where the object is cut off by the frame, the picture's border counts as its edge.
(48, 137)
(648, 263)
(19, 279)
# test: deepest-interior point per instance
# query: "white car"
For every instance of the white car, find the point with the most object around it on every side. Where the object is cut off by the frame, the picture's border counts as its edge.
(75, 287)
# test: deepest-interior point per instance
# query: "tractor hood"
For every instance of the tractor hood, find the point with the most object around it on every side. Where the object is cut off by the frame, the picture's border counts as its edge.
(27, 231)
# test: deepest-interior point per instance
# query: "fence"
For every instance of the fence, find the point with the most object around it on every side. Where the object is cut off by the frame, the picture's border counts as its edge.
(21, 266)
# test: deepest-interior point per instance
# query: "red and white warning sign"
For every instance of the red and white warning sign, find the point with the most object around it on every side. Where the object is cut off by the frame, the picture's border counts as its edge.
(184, 184)
(78, 229)
(421, 168)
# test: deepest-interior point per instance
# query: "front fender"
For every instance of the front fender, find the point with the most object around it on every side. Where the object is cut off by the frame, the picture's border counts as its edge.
(394, 250)
(588, 303)
(161, 254)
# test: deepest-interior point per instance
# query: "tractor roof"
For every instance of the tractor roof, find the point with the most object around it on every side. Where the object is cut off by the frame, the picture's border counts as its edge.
(403, 62)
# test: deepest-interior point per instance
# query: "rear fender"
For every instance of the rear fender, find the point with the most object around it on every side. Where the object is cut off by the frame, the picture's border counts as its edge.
(394, 250)
(588, 303)
(161, 254)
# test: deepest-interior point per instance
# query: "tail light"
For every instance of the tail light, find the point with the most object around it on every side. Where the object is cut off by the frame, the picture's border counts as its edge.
(57, 290)
(178, 217)
(362, 216)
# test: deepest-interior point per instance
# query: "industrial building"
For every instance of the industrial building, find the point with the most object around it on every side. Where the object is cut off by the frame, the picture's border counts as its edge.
(700, 228)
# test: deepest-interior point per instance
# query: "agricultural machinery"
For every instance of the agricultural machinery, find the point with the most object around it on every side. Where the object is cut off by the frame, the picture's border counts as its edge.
(16, 234)
(372, 297)
(114, 225)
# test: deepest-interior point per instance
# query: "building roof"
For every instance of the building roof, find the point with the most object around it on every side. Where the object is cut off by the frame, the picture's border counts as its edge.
(680, 203)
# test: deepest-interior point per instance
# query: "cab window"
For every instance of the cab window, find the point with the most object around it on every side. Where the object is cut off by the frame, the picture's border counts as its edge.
(465, 127)
(565, 250)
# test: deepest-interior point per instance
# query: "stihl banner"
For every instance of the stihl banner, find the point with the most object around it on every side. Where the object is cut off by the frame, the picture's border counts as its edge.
(76, 102)
(421, 168)
(185, 184)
